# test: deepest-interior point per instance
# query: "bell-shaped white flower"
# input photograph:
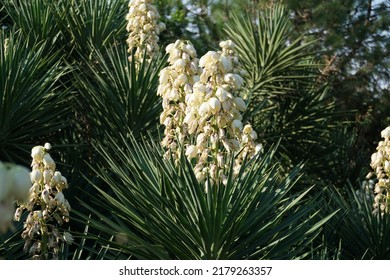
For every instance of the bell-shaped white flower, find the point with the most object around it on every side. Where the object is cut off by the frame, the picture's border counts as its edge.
(37, 153)
(60, 198)
(222, 94)
(214, 105)
(237, 125)
(179, 65)
(57, 177)
(240, 104)
(36, 176)
(164, 76)
(189, 48)
(48, 162)
(225, 64)
(191, 152)
(204, 109)
(190, 117)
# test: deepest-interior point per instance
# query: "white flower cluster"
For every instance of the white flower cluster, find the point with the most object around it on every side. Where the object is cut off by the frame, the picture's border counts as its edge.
(46, 205)
(144, 29)
(176, 82)
(380, 163)
(203, 110)
(214, 115)
(14, 185)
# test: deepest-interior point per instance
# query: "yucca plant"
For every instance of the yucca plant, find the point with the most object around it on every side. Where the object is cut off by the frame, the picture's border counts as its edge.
(361, 233)
(287, 96)
(117, 95)
(34, 104)
(155, 210)
(90, 25)
(11, 244)
(35, 19)
(270, 58)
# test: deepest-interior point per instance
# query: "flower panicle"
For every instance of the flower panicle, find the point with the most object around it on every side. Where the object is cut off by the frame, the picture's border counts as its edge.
(47, 207)
(144, 29)
(203, 109)
(380, 163)
(176, 83)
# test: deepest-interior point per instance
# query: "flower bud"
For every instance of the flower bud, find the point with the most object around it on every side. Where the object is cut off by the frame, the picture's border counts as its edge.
(68, 238)
(161, 26)
(200, 140)
(253, 135)
(199, 89)
(45, 196)
(259, 148)
(387, 166)
(151, 15)
(200, 176)
(210, 58)
(235, 144)
(47, 176)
